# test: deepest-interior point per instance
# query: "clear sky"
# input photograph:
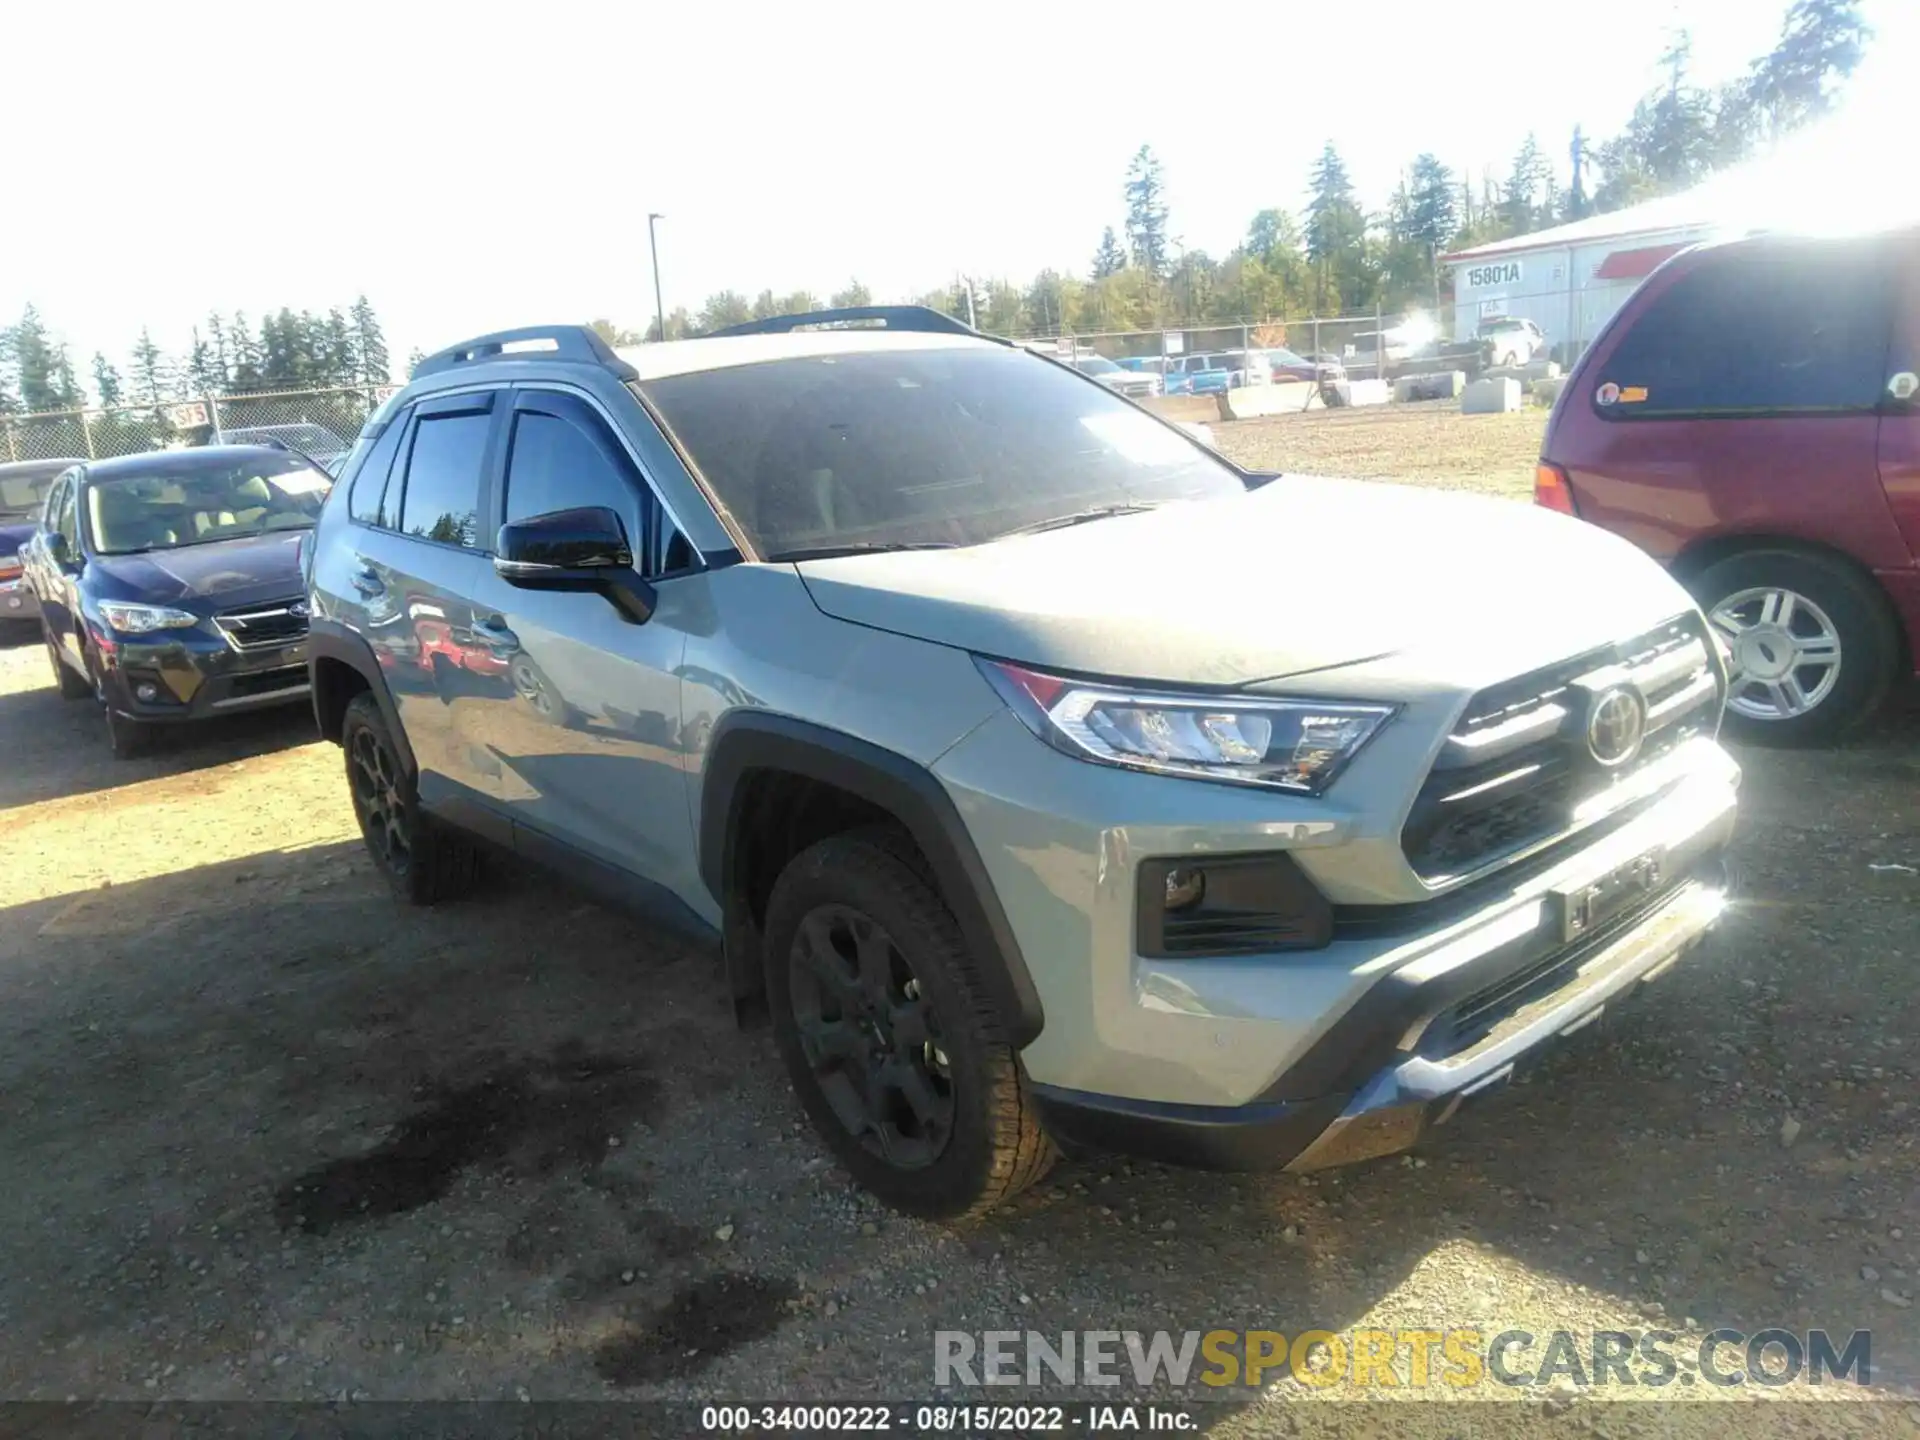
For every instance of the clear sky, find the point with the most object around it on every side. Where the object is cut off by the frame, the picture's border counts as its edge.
(478, 165)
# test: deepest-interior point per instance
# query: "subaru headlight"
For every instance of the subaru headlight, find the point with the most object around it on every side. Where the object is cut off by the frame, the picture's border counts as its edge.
(1298, 745)
(130, 619)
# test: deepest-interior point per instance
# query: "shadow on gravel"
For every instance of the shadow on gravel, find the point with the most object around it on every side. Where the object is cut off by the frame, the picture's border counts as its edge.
(702, 1322)
(535, 1117)
(57, 748)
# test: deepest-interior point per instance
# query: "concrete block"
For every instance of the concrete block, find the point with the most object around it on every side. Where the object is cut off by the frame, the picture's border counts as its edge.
(1369, 392)
(1251, 401)
(1546, 391)
(1433, 385)
(1540, 370)
(1183, 407)
(1491, 397)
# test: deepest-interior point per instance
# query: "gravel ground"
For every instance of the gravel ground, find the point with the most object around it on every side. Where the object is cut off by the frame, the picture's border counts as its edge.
(268, 1136)
(1430, 443)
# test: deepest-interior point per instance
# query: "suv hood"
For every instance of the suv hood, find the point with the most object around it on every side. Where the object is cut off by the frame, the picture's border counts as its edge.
(228, 572)
(1303, 574)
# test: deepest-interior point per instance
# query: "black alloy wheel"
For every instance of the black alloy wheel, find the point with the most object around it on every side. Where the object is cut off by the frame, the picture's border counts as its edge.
(871, 1037)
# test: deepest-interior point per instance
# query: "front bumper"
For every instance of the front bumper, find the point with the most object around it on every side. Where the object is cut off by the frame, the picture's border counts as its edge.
(17, 602)
(1454, 1015)
(194, 676)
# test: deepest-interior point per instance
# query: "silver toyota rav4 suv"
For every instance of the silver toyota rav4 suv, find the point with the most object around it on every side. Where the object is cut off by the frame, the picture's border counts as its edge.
(1043, 777)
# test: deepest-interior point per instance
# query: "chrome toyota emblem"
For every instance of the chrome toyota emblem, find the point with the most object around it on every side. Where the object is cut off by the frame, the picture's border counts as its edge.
(1616, 725)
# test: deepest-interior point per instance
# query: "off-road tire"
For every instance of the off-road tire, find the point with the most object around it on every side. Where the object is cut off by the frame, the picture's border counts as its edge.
(423, 862)
(997, 1145)
(1869, 640)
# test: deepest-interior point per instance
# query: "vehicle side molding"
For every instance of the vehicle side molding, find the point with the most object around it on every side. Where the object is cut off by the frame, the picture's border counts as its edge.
(746, 742)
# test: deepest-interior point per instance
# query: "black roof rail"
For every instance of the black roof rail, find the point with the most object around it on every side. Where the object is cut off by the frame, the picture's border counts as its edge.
(891, 317)
(568, 342)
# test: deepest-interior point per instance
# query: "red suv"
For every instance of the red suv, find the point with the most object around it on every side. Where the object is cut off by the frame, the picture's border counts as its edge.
(1750, 418)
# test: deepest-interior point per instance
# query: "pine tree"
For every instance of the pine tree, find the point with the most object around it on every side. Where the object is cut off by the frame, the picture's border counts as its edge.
(1109, 259)
(1146, 195)
(1528, 202)
(248, 362)
(1821, 44)
(220, 355)
(1433, 213)
(152, 373)
(106, 382)
(414, 357)
(34, 364)
(201, 378)
(854, 295)
(1336, 233)
(371, 363)
(337, 358)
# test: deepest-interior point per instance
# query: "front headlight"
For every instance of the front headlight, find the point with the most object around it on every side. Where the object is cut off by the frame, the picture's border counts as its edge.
(1296, 745)
(131, 619)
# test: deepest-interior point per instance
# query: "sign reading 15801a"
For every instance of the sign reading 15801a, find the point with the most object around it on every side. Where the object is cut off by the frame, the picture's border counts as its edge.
(1507, 272)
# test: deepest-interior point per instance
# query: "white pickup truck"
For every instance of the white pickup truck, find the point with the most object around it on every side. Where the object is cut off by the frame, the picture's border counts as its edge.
(1510, 342)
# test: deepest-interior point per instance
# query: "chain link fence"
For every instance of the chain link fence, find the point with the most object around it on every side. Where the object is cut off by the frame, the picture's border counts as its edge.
(320, 423)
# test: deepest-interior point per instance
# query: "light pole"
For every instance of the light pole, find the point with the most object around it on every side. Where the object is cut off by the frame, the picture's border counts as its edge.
(653, 244)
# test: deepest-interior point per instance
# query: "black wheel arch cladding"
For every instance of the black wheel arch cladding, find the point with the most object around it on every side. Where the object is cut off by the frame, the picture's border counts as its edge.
(746, 742)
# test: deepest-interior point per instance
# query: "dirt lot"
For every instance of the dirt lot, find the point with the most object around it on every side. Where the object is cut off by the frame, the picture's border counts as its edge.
(1430, 443)
(267, 1136)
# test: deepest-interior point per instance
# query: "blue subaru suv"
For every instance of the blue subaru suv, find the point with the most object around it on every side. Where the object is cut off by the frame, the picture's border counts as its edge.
(168, 584)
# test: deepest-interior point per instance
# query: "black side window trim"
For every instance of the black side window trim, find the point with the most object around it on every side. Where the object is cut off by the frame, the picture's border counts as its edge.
(660, 521)
(438, 408)
(400, 427)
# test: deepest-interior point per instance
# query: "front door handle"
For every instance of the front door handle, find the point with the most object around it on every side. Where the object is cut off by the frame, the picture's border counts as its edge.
(493, 633)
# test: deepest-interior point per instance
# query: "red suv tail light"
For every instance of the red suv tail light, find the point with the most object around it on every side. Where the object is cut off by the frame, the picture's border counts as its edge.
(1551, 489)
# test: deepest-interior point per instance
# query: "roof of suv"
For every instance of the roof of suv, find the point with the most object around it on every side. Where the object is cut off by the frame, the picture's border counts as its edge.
(683, 357)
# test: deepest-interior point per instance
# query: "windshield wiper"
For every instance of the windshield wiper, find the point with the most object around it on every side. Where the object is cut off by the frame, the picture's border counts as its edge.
(834, 552)
(1079, 517)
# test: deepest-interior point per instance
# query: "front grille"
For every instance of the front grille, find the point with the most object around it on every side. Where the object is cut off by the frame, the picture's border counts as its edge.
(1518, 771)
(261, 627)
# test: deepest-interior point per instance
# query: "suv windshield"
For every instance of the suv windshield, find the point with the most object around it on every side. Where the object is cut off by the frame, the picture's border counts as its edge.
(165, 510)
(921, 447)
(1095, 365)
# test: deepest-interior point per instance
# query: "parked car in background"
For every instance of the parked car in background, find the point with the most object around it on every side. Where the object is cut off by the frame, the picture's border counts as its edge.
(1010, 849)
(1510, 342)
(316, 442)
(169, 583)
(1211, 372)
(1750, 418)
(23, 492)
(1135, 384)
(1283, 364)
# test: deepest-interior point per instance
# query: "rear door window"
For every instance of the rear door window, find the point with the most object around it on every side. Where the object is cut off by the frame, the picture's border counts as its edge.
(445, 466)
(370, 480)
(1760, 331)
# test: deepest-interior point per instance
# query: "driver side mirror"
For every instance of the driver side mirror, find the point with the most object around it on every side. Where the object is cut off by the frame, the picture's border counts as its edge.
(582, 549)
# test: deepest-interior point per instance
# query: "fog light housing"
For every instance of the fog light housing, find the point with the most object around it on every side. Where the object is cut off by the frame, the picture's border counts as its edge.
(1186, 887)
(1235, 905)
(146, 691)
